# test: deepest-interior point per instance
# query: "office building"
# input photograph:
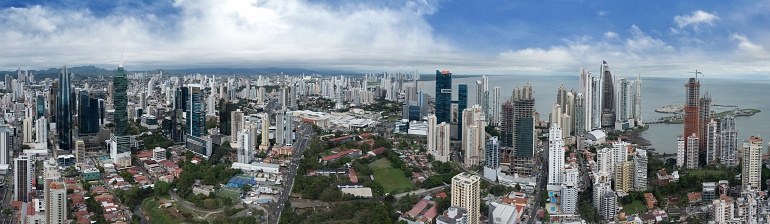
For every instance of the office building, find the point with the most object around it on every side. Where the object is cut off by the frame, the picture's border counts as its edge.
(225, 111)
(64, 111)
(88, 113)
(492, 153)
(608, 97)
(462, 104)
(120, 143)
(22, 178)
(555, 156)
(195, 111)
(443, 95)
(752, 164)
(466, 194)
(80, 151)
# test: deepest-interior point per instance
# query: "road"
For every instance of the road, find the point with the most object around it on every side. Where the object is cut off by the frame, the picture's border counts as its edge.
(418, 192)
(456, 159)
(540, 188)
(300, 145)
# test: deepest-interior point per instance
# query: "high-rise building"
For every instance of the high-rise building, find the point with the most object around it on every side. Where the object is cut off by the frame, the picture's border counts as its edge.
(555, 156)
(691, 107)
(624, 177)
(482, 95)
(704, 118)
(245, 150)
(237, 123)
(692, 151)
(29, 128)
(6, 144)
(681, 153)
(195, 111)
(80, 151)
(569, 198)
(493, 153)
(443, 95)
(40, 106)
(605, 200)
(438, 139)
(723, 209)
(578, 124)
(88, 113)
(752, 164)
(713, 140)
(524, 122)
(22, 178)
(41, 130)
(56, 202)
(640, 170)
(585, 82)
(64, 113)
(225, 110)
(474, 136)
(265, 143)
(495, 106)
(120, 140)
(608, 96)
(287, 129)
(466, 194)
(729, 142)
(462, 103)
(638, 101)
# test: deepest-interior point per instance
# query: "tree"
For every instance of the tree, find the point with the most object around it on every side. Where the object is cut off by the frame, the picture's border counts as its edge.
(161, 187)
(245, 188)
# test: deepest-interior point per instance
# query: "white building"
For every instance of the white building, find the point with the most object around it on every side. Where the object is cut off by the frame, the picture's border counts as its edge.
(752, 164)
(680, 152)
(569, 198)
(245, 149)
(438, 139)
(159, 154)
(555, 156)
(474, 135)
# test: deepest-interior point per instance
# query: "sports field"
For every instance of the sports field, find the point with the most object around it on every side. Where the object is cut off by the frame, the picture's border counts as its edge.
(390, 178)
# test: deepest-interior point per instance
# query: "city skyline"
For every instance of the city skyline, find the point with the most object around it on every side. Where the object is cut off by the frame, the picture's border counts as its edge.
(544, 38)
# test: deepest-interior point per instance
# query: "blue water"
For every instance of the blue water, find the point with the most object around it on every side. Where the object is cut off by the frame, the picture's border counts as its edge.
(656, 93)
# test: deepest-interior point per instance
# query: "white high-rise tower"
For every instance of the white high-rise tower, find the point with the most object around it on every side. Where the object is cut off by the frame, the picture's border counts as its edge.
(555, 156)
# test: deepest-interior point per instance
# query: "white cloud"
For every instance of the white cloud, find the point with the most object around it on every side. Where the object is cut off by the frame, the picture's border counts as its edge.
(748, 49)
(226, 33)
(644, 43)
(610, 35)
(602, 13)
(697, 18)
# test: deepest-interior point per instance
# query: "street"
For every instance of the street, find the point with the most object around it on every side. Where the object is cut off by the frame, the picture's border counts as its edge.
(306, 134)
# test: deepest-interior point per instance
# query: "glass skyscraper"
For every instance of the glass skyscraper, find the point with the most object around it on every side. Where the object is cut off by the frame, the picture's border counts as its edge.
(443, 96)
(195, 112)
(40, 106)
(88, 113)
(120, 138)
(64, 114)
(462, 103)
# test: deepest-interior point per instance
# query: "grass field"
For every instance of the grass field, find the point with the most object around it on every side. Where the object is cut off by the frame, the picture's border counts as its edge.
(158, 215)
(705, 172)
(635, 207)
(229, 193)
(390, 178)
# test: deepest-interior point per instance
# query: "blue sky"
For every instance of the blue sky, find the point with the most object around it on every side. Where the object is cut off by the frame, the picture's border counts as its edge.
(652, 38)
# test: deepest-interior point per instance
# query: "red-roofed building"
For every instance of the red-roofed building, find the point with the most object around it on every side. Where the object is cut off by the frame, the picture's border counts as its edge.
(331, 158)
(350, 153)
(365, 135)
(377, 151)
(440, 195)
(424, 208)
(342, 139)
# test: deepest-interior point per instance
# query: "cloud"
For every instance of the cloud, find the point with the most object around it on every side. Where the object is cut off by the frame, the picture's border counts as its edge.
(697, 18)
(644, 43)
(610, 35)
(748, 49)
(226, 33)
(602, 13)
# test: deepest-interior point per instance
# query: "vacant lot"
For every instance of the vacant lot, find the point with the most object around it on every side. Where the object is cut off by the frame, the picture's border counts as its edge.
(390, 178)
(636, 207)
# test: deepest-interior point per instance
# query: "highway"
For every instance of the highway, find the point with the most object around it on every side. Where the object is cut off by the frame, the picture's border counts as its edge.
(299, 147)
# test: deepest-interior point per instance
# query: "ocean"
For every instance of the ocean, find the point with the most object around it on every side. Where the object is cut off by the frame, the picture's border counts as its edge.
(656, 93)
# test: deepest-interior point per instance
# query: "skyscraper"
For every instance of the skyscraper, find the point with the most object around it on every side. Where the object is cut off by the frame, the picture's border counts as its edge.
(22, 178)
(28, 129)
(681, 153)
(195, 110)
(493, 153)
(691, 107)
(752, 164)
(120, 144)
(555, 156)
(40, 106)
(80, 151)
(692, 151)
(265, 143)
(466, 194)
(443, 95)
(438, 139)
(225, 110)
(704, 117)
(524, 120)
(495, 106)
(244, 146)
(729, 143)
(64, 114)
(474, 136)
(6, 144)
(56, 202)
(462, 103)
(608, 94)
(713, 140)
(237, 123)
(88, 113)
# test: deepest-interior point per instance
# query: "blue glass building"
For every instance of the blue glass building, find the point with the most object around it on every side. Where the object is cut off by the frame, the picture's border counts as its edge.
(64, 112)
(443, 96)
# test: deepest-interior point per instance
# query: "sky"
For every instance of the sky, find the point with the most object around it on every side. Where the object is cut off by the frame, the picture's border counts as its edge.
(495, 37)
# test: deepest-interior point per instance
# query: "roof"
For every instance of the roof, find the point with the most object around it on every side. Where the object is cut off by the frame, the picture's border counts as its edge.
(596, 135)
(330, 157)
(340, 138)
(378, 151)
